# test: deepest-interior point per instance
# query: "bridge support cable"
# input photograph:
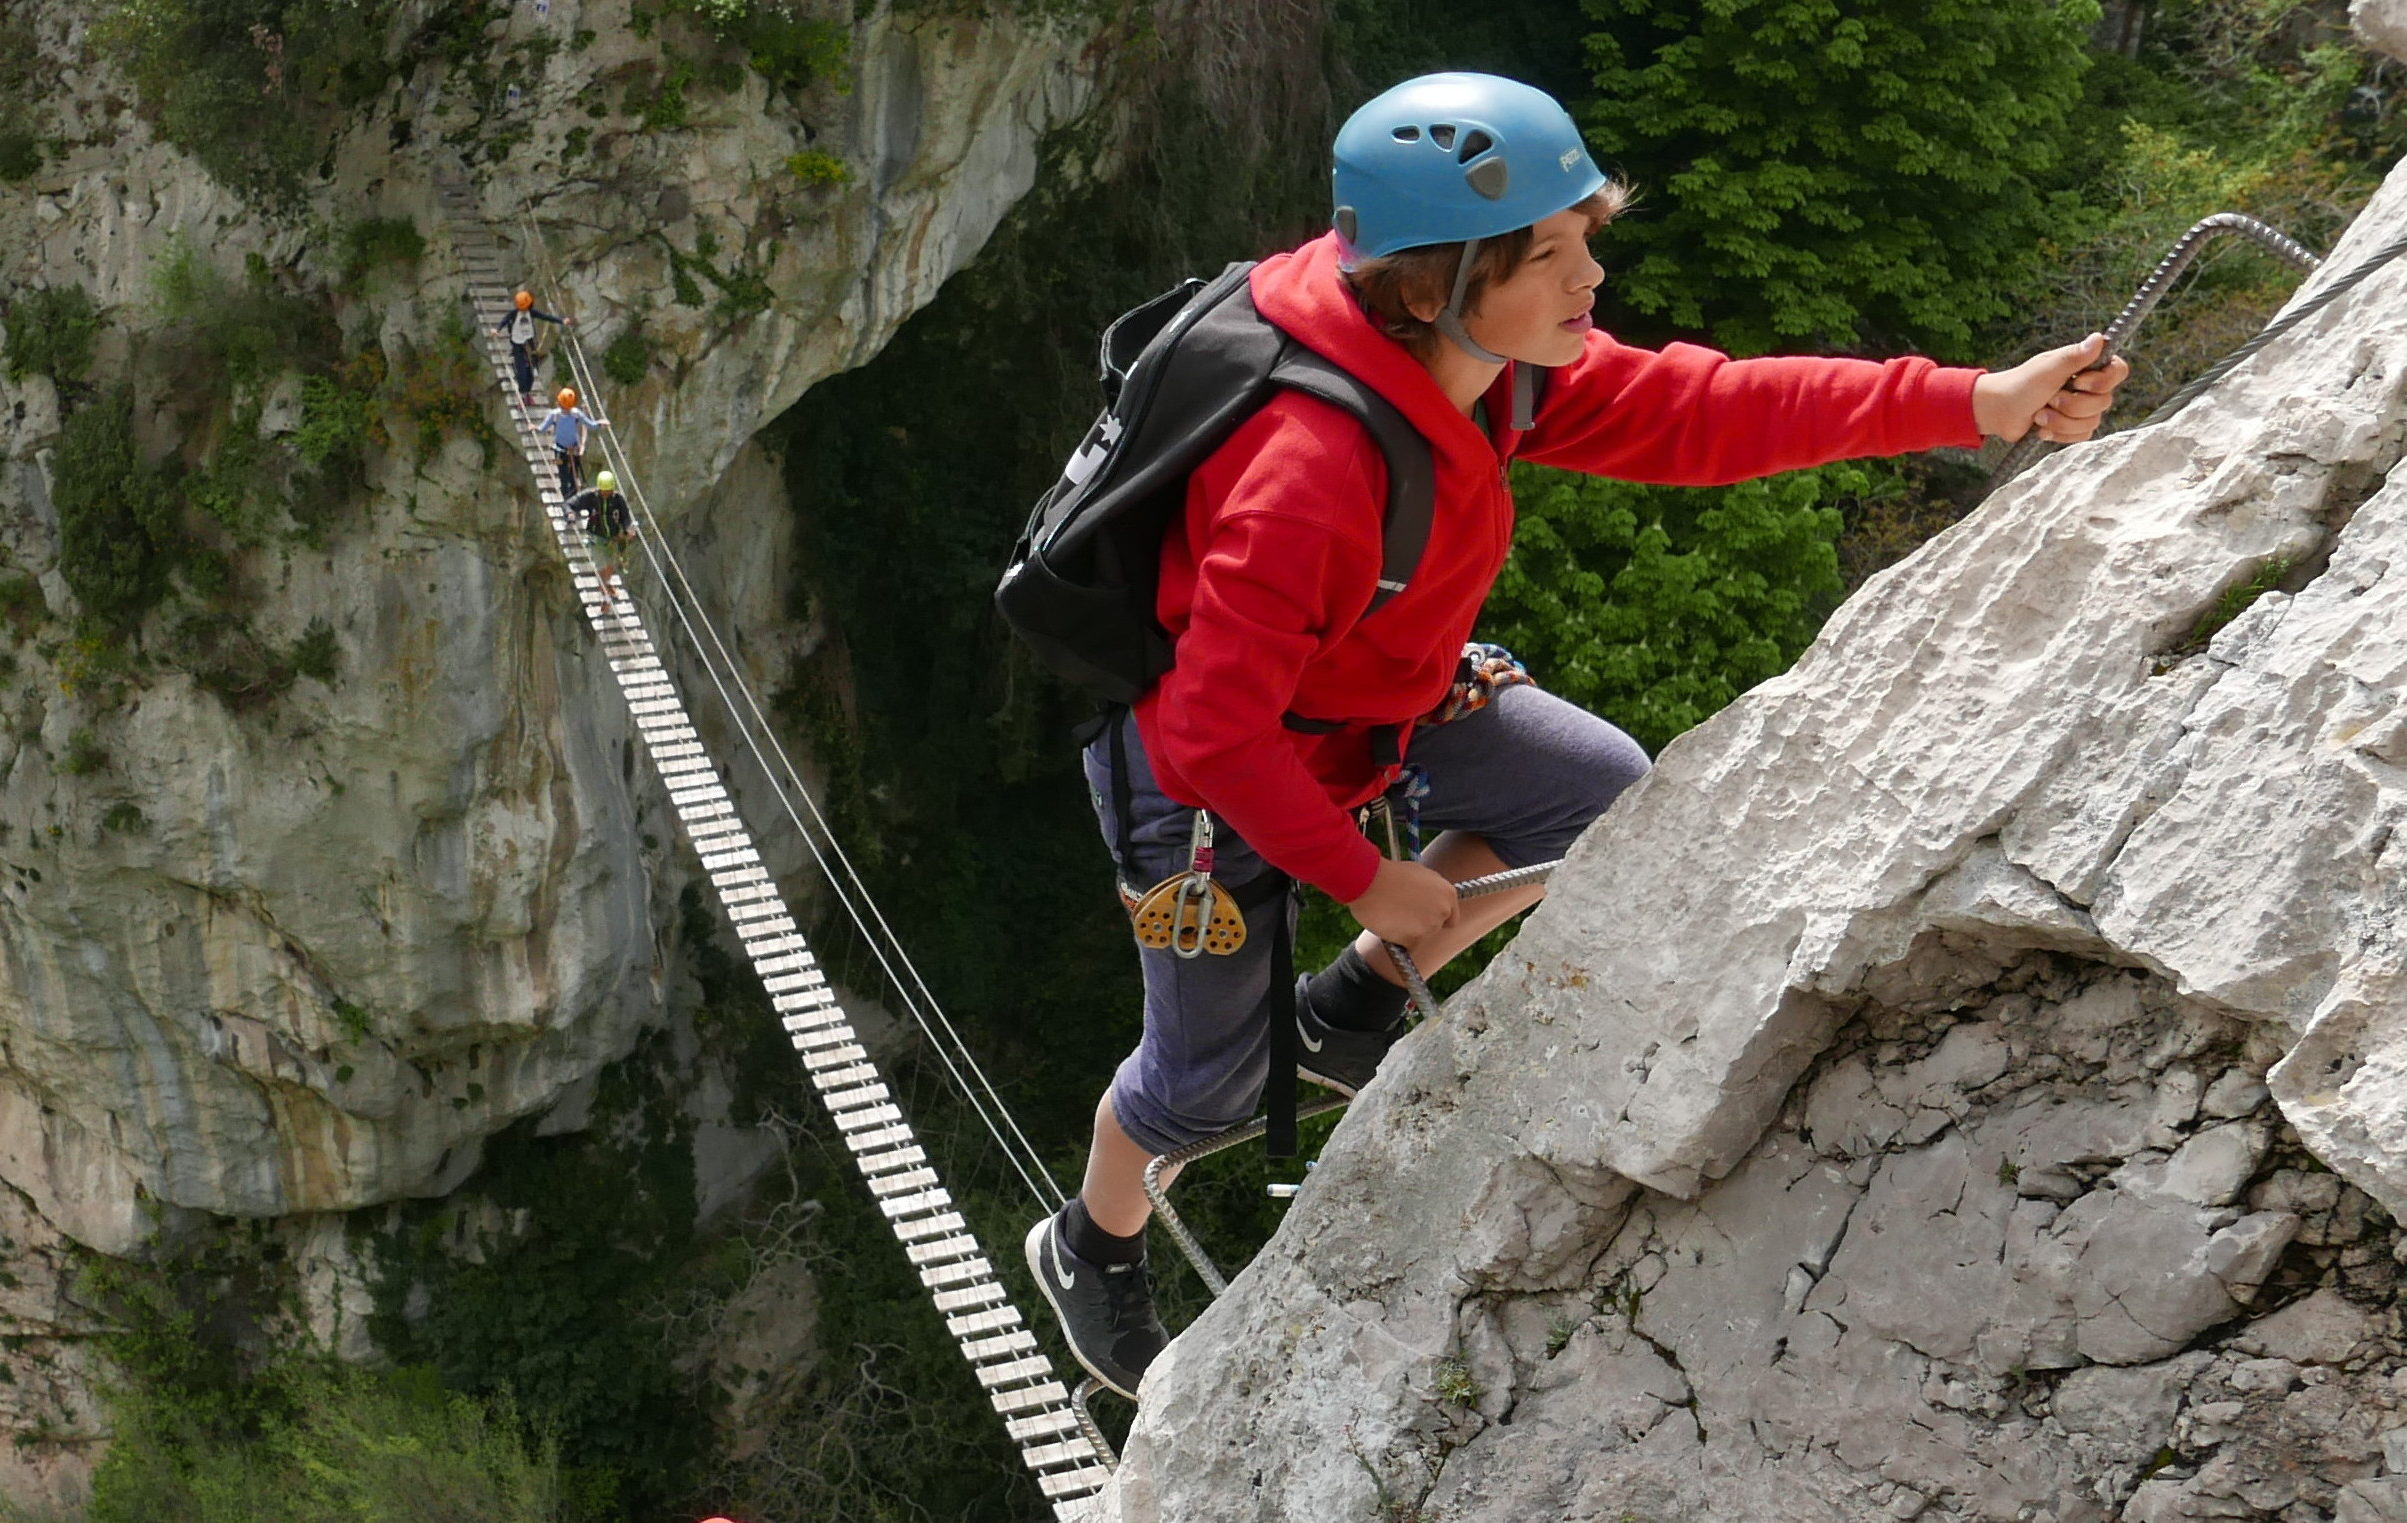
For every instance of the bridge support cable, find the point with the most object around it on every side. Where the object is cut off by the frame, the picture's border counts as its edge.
(902, 975)
(1063, 1452)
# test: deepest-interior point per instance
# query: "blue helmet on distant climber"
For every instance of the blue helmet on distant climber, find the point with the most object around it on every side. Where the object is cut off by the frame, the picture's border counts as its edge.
(1450, 157)
(1455, 158)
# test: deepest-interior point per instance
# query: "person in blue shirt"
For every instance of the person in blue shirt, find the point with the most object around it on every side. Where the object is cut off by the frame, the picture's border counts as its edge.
(520, 326)
(569, 424)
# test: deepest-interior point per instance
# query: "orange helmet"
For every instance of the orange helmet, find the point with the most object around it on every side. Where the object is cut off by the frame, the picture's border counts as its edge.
(525, 300)
(567, 397)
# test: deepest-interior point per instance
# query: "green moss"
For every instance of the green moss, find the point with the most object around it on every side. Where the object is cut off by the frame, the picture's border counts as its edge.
(372, 243)
(313, 655)
(629, 358)
(125, 819)
(85, 755)
(2232, 602)
(814, 168)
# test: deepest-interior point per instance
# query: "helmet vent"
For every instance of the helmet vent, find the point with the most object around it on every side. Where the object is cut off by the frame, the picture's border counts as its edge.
(1443, 135)
(1490, 177)
(1475, 143)
(1349, 227)
(1406, 134)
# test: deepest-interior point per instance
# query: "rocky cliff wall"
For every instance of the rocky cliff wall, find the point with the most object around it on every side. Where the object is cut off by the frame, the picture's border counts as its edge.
(366, 929)
(341, 939)
(1961, 1082)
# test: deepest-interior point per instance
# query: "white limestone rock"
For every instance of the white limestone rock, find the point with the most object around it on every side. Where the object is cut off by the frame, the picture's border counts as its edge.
(2380, 24)
(1860, 1268)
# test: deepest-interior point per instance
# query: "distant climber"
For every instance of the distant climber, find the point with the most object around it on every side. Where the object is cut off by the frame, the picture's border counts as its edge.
(520, 326)
(569, 424)
(1456, 273)
(609, 529)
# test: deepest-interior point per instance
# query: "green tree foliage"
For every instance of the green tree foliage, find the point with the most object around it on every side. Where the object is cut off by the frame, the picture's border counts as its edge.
(51, 332)
(1834, 172)
(117, 515)
(1655, 606)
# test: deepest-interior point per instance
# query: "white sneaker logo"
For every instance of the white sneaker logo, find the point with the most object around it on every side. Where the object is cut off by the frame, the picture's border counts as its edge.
(1067, 1280)
(1301, 1030)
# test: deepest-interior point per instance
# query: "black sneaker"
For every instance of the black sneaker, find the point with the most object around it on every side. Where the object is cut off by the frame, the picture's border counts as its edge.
(1106, 1311)
(1333, 1057)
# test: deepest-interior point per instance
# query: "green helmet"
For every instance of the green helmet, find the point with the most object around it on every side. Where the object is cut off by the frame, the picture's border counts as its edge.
(604, 481)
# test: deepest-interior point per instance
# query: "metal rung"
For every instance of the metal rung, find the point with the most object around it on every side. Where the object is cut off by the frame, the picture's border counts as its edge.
(872, 1141)
(782, 962)
(683, 796)
(859, 1096)
(858, 1073)
(933, 1226)
(851, 1053)
(1075, 1483)
(977, 1322)
(957, 1247)
(753, 908)
(793, 982)
(1042, 1425)
(1038, 1367)
(913, 1205)
(1043, 1455)
(807, 1026)
(874, 1115)
(968, 1296)
(1027, 1398)
(744, 857)
(959, 1272)
(912, 1180)
(881, 1169)
(694, 814)
(831, 1031)
(744, 878)
(996, 1347)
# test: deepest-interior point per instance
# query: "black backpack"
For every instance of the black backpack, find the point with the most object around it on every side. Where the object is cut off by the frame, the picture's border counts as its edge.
(1179, 374)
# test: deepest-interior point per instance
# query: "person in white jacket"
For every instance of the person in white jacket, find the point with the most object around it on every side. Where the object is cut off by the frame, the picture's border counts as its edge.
(520, 326)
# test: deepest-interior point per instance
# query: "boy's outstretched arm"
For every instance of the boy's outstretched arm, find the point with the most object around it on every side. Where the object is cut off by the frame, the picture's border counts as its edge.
(2055, 392)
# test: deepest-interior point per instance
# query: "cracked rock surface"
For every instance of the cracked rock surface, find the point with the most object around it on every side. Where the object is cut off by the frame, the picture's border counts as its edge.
(1966, 1080)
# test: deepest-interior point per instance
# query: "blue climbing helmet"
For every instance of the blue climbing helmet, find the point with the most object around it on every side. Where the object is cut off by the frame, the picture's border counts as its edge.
(1455, 158)
(1446, 158)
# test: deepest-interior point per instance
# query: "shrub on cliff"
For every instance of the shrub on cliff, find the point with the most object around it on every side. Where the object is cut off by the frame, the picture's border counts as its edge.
(116, 514)
(253, 89)
(51, 332)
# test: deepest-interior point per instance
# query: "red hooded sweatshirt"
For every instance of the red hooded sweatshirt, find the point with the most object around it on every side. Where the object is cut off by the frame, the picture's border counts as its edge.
(1264, 591)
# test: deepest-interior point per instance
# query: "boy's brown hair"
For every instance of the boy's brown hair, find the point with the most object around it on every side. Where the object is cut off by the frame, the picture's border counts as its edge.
(1389, 284)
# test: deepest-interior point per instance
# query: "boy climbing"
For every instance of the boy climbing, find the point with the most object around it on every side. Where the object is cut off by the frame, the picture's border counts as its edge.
(569, 424)
(1456, 271)
(609, 529)
(520, 326)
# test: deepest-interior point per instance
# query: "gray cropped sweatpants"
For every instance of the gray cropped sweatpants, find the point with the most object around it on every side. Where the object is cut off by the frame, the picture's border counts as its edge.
(1528, 772)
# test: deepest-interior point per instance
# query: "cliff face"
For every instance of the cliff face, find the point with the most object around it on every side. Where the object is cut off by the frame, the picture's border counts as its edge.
(411, 904)
(305, 957)
(1963, 1081)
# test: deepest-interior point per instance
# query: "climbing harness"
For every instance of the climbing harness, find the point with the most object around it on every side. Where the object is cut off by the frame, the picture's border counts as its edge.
(1056, 1437)
(2177, 261)
(1190, 913)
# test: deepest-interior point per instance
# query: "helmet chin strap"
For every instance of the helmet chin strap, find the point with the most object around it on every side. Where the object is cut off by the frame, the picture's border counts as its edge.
(1450, 321)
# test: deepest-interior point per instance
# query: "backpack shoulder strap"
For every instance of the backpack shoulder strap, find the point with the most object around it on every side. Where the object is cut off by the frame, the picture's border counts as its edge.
(1411, 477)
